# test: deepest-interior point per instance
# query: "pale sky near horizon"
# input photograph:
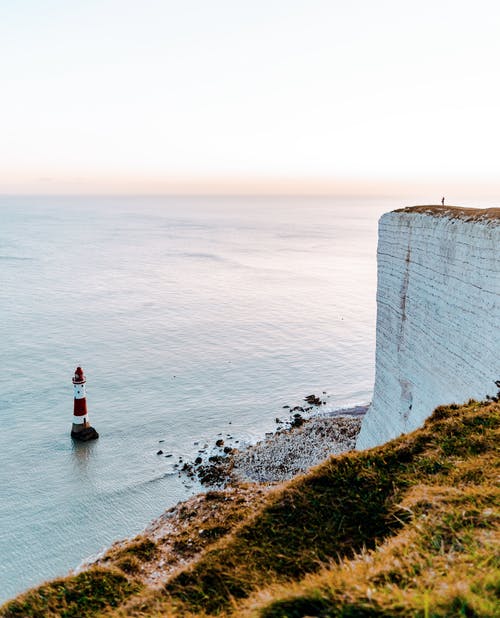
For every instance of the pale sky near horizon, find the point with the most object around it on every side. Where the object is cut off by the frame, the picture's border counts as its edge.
(180, 95)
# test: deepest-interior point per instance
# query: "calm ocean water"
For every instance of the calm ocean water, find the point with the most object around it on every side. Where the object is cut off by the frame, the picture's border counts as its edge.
(192, 317)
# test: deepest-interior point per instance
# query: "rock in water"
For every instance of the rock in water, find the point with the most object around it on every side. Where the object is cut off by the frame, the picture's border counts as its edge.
(86, 434)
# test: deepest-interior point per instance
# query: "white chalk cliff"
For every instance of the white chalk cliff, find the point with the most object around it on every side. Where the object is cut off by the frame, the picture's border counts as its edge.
(438, 315)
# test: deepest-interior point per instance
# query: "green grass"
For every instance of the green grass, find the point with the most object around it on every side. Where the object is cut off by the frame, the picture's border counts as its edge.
(81, 596)
(409, 528)
(346, 505)
(442, 563)
(134, 554)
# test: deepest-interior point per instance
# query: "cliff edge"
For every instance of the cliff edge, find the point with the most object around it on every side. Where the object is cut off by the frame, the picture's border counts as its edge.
(438, 315)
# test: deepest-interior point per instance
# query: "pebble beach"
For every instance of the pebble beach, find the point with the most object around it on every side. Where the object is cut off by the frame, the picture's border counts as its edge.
(236, 483)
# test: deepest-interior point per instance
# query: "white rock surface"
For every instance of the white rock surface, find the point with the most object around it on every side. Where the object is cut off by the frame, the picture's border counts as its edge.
(289, 453)
(438, 316)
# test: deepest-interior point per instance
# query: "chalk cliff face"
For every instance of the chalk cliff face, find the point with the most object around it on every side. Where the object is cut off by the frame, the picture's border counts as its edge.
(438, 315)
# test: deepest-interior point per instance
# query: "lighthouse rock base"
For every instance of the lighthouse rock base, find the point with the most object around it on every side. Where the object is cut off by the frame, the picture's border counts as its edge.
(438, 315)
(85, 434)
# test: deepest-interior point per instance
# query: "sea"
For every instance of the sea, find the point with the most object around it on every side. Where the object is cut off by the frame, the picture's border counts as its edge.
(194, 319)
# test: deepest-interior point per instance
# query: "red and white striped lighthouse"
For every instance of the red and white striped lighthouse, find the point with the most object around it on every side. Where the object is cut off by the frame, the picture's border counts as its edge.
(81, 429)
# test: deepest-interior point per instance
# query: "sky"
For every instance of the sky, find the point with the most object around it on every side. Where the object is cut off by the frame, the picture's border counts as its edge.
(284, 96)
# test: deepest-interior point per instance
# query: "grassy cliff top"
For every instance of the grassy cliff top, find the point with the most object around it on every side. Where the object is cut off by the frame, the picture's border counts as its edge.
(406, 529)
(455, 212)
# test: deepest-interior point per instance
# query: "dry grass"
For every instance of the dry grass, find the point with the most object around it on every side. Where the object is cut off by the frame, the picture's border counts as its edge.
(456, 212)
(81, 596)
(442, 563)
(183, 533)
(405, 529)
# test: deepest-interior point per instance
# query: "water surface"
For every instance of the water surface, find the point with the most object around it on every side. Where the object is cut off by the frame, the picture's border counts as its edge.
(191, 318)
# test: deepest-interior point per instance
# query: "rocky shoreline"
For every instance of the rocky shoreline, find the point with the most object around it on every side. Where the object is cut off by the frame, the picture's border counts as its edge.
(239, 480)
(292, 449)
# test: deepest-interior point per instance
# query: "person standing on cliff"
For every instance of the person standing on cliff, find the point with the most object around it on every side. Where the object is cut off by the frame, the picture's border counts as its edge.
(442, 201)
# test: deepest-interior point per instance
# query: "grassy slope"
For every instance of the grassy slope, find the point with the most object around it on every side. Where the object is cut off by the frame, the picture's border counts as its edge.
(405, 529)
(80, 596)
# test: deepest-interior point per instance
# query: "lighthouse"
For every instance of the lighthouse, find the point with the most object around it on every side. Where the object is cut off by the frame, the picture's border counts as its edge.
(81, 429)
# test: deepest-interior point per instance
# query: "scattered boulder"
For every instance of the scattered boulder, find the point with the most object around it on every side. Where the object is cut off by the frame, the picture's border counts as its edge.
(297, 421)
(217, 472)
(314, 400)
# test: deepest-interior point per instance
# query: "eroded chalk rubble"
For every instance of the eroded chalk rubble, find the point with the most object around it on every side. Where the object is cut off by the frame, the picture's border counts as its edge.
(286, 454)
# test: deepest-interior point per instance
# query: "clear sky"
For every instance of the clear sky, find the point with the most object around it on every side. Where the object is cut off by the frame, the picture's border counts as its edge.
(253, 95)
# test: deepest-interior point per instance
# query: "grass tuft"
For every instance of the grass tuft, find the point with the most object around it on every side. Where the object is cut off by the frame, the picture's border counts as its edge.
(81, 596)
